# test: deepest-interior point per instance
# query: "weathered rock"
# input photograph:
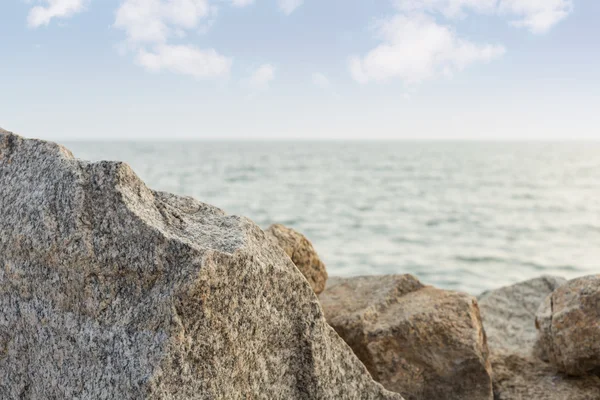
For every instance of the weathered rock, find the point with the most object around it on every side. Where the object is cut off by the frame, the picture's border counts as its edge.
(302, 253)
(110, 290)
(416, 340)
(508, 316)
(519, 377)
(508, 313)
(568, 321)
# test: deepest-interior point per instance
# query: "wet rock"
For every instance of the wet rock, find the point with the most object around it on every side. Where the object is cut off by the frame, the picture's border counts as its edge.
(568, 321)
(110, 290)
(508, 313)
(302, 253)
(416, 340)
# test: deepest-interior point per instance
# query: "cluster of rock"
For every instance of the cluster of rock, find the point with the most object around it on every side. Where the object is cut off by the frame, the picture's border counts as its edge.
(538, 339)
(110, 290)
(520, 368)
(427, 343)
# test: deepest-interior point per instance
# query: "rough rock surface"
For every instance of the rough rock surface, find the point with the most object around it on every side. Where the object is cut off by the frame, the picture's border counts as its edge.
(569, 326)
(518, 377)
(302, 253)
(508, 313)
(416, 340)
(508, 316)
(110, 290)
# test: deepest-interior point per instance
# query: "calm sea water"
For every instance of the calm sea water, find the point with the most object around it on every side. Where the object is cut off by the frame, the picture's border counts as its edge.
(459, 215)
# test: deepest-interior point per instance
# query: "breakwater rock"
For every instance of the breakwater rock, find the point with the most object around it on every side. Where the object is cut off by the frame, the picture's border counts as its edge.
(519, 362)
(111, 290)
(417, 340)
(568, 321)
(302, 253)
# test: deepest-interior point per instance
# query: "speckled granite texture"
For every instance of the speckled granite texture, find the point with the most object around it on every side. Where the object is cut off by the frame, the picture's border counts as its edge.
(110, 290)
(302, 253)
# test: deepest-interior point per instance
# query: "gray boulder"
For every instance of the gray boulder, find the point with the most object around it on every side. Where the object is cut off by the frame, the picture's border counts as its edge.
(422, 342)
(569, 326)
(302, 253)
(508, 316)
(508, 313)
(110, 290)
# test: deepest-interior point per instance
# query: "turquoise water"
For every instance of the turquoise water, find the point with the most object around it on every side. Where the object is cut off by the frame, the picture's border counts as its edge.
(459, 215)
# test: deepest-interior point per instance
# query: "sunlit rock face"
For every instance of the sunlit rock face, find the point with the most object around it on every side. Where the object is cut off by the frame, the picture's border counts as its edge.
(422, 342)
(568, 321)
(302, 253)
(110, 290)
(519, 369)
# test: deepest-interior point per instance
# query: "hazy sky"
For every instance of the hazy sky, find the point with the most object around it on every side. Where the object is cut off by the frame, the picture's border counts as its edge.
(394, 69)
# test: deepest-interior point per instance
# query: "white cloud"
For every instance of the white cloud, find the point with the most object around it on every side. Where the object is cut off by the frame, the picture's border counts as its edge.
(321, 80)
(449, 8)
(154, 21)
(42, 15)
(536, 15)
(289, 6)
(187, 60)
(242, 3)
(261, 77)
(417, 48)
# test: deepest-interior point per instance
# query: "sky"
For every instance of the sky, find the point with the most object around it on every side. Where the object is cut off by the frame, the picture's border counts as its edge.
(300, 69)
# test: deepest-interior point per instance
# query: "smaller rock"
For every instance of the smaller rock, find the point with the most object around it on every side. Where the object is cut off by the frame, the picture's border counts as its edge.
(508, 316)
(422, 342)
(302, 253)
(508, 313)
(568, 323)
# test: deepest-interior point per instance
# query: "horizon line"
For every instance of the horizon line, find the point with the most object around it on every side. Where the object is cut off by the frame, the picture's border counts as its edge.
(283, 140)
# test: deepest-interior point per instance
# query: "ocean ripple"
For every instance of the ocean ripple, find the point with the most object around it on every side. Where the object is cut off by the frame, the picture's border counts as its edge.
(460, 215)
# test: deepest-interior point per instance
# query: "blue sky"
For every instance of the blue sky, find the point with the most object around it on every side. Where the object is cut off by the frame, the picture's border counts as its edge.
(300, 69)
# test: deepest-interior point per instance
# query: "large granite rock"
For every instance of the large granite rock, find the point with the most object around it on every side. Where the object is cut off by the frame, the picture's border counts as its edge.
(110, 290)
(508, 316)
(508, 313)
(302, 253)
(416, 340)
(569, 326)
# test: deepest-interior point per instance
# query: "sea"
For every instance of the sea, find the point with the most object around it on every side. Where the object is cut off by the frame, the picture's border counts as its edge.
(460, 215)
